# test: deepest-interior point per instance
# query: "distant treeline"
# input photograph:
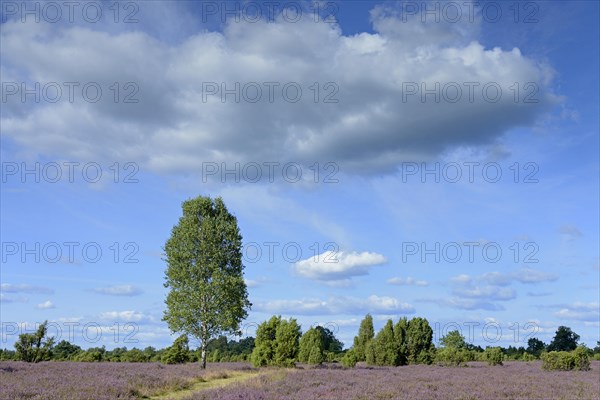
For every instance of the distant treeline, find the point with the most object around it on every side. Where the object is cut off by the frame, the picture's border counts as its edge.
(280, 342)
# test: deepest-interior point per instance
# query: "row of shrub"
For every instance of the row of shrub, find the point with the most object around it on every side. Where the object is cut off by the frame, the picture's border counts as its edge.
(577, 360)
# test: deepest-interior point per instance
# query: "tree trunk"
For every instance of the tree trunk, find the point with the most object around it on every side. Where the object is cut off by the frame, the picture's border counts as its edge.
(203, 361)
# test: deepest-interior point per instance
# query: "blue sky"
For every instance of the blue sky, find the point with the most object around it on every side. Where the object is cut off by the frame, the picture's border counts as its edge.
(380, 158)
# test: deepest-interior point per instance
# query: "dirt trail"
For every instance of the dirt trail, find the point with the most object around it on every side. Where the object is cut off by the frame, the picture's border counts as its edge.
(217, 381)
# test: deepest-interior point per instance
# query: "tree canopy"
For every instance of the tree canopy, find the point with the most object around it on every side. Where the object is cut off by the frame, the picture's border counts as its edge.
(208, 295)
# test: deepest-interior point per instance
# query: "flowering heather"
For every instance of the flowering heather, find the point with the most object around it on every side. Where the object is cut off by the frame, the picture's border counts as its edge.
(514, 380)
(99, 381)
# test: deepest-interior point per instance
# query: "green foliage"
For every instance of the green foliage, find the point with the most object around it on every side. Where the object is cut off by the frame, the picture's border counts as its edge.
(370, 353)
(400, 330)
(287, 340)
(264, 345)
(349, 360)
(178, 353)
(366, 333)
(384, 346)
(419, 336)
(564, 340)
(330, 342)
(277, 343)
(7, 355)
(312, 344)
(528, 357)
(494, 355)
(134, 355)
(454, 340)
(452, 356)
(535, 347)
(208, 295)
(65, 351)
(90, 355)
(34, 347)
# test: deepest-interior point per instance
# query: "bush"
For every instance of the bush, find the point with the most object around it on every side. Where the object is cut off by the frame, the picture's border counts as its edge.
(493, 355)
(311, 347)
(349, 360)
(178, 353)
(528, 357)
(89, 356)
(277, 343)
(578, 360)
(451, 356)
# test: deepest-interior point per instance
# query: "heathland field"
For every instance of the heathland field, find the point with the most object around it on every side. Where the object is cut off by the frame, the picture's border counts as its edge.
(103, 381)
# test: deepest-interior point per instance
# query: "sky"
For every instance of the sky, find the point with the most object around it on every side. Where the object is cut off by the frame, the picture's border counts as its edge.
(436, 159)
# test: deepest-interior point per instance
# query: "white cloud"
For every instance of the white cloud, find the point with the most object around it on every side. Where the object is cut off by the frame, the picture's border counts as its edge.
(119, 290)
(334, 266)
(126, 316)
(336, 305)
(530, 275)
(580, 312)
(406, 281)
(176, 126)
(486, 292)
(10, 288)
(463, 278)
(46, 305)
(4, 298)
(524, 275)
(466, 303)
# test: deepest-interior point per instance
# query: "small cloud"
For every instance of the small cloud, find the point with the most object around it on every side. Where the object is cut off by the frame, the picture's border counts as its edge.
(578, 311)
(332, 266)
(336, 305)
(406, 281)
(463, 278)
(486, 292)
(251, 283)
(466, 304)
(127, 316)
(539, 294)
(5, 298)
(46, 305)
(119, 290)
(530, 275)
(496, 278)
(9, 288)
(570, 232)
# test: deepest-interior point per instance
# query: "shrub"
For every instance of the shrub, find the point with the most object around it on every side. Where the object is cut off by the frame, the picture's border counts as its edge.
(451, 356)
(577, 359)
(311, 347)
(493, 355)
(528, 357)
(349, 360)
(385, 347)
(365, 334)
(277, 343)
(178, 353)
